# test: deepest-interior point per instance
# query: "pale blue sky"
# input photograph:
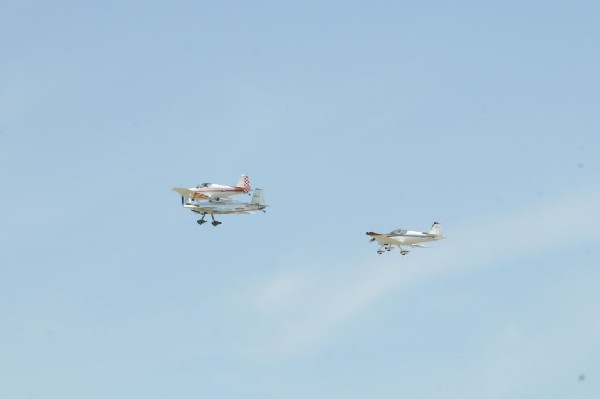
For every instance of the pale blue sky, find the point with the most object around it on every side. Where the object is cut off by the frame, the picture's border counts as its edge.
(352, 116)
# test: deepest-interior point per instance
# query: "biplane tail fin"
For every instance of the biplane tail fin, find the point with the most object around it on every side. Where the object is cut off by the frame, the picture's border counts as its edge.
(244, 183)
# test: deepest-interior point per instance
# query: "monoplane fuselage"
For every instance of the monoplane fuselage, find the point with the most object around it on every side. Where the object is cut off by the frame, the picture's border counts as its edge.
(408, 238)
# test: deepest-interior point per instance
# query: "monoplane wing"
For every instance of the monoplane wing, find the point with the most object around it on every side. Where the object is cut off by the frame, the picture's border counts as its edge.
(222, 200)
(382, 239)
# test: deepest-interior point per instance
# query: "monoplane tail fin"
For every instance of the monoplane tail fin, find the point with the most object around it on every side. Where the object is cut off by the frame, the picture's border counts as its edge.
(436, 229)
(258, 197)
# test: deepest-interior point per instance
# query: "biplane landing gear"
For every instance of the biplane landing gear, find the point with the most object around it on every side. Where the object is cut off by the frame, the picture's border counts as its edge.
(404, 252)
(214, 222)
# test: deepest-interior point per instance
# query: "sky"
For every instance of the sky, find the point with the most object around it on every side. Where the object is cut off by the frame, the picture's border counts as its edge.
(353, 116)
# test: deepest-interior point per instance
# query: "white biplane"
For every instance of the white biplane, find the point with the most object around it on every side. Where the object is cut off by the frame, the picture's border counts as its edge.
(406, 238)
(214, 191)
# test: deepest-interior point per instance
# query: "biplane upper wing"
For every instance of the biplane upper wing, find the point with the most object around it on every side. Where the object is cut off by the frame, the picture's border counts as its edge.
(186, 192)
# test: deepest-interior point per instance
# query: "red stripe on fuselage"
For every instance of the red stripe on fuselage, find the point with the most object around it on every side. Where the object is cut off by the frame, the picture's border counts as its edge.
(201, 194)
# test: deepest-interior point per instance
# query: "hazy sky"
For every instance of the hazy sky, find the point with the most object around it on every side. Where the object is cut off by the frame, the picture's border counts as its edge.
(352, 116)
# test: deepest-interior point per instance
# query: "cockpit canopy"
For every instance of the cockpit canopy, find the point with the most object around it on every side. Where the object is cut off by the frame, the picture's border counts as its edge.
(203, 185)
(398, 232)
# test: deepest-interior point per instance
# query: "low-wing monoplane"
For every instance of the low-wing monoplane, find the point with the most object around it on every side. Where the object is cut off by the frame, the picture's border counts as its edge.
(213, 191)
(223, 206)
(406, 238)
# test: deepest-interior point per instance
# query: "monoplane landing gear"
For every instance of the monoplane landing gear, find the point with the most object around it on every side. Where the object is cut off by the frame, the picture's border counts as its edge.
(404, 252)
(380, 250)
(202, 221)
(214, 222)
(388, 248)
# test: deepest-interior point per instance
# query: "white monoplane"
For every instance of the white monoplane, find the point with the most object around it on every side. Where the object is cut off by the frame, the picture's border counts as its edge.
(223, 206)
(406, 238)
(214, 191)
